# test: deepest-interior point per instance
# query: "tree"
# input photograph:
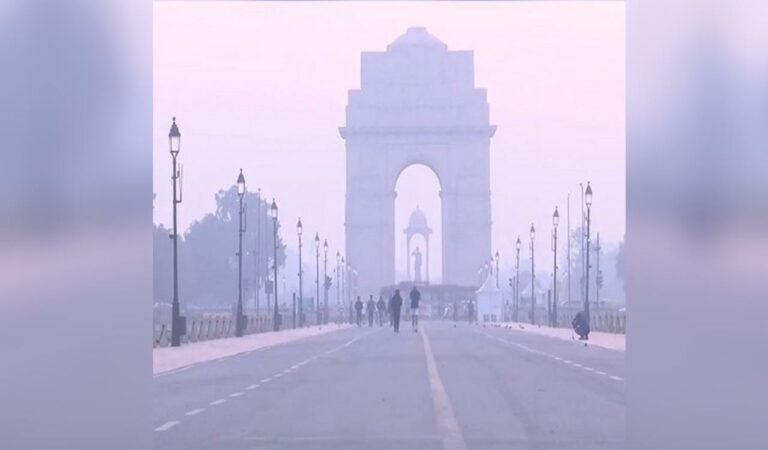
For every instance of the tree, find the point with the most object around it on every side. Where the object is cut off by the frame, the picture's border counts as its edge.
(208, 253)
(162, 264)
(620, 261)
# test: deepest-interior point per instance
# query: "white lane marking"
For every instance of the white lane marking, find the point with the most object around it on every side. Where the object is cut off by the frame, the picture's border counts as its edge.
(175, 371)
(446, 420)
(296, 366)
(167, 425)
(254, 386)
(557, 358)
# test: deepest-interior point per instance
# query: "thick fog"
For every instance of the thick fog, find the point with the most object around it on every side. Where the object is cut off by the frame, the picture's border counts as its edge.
(264, 87)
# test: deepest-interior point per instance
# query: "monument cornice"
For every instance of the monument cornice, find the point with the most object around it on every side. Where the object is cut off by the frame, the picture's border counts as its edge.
(485, 130)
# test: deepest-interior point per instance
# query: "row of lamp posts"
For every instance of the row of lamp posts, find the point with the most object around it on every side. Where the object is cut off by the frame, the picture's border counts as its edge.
(515, 283)
(178, 322)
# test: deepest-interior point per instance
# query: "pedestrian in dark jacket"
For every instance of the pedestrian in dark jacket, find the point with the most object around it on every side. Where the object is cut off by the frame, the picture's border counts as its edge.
(358, 311)
(581, 326)
(395, 303)
(381, 307)
(415, 297)
(370, 309)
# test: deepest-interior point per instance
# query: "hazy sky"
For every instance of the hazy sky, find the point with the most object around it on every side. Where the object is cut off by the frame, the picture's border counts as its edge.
(263, 86)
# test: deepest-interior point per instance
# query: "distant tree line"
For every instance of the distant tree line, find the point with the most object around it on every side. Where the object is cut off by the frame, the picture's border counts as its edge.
(208, 254)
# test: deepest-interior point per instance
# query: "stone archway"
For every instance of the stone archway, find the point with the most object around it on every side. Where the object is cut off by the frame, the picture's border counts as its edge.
(417, 105)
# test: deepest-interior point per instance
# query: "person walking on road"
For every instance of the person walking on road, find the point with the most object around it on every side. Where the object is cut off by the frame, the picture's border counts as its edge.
(395, 303)
(471, 311)
(381, 307)
(370, 309)
(358, 311)
(415, 297)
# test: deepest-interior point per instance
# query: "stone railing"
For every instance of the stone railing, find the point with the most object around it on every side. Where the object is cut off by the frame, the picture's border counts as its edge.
(218, 323)
(604, 321)
(210, 327)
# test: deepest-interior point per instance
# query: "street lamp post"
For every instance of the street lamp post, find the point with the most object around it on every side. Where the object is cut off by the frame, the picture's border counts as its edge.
(588, 202)
(338, 277)
(178, 323)
(317, 279)
(299, 232)
(533, 278)
(239, 320)
(516, 306)
(598, 275)
(568, 244)
(343, 283)
(581, 243)
(555, 222)
(325, 280)
(273, 214)
(257, 256)
(497, 268)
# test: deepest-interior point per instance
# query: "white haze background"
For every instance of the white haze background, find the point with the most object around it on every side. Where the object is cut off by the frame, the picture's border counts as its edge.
(263, 86)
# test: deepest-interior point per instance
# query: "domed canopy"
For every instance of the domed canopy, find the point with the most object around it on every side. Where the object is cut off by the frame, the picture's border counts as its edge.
(417, 38)
(417, 223)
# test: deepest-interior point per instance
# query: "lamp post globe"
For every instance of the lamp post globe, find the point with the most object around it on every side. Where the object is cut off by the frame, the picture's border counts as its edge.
(555, 218)
(241, 184)
(174, 138)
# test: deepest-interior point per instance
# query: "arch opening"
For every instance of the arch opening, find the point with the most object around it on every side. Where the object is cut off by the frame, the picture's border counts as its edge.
(418, 217)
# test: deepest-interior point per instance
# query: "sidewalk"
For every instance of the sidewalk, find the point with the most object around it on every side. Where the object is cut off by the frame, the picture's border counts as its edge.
(166, 359)
(598, 339)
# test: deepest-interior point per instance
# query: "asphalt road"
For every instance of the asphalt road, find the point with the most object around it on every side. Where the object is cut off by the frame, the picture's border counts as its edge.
(446, 387)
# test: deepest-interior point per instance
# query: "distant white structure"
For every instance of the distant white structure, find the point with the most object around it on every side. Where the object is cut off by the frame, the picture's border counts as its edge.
(417, 104)
(489, 301)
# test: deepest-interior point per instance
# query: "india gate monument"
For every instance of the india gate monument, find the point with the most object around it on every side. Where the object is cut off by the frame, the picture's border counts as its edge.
(417, 104)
